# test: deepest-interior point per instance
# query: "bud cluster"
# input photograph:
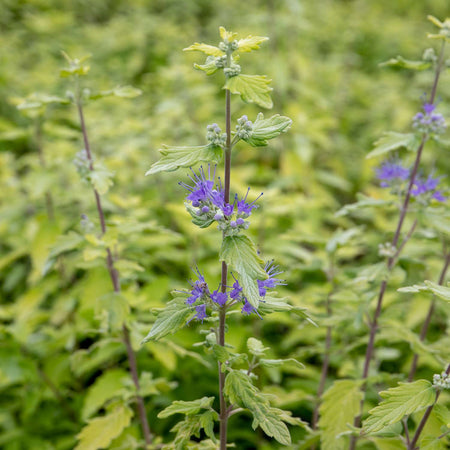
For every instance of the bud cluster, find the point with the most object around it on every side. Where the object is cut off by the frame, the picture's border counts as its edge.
(244, 127)
(429, 122)
(215, 136)
(387, 250)
(232, 71)
(82, 164)
(229, 47)
(441, 381)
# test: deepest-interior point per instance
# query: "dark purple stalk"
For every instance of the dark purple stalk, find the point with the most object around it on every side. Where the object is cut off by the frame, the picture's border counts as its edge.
(412, 444)
(114, 275)
(426, 324)
(224, 413)
(392, 260)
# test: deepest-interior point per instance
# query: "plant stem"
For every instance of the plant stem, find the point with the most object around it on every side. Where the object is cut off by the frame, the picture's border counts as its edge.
(392, 260)
(412, 444)
(114, 275)
(426, 324)
(222, 316)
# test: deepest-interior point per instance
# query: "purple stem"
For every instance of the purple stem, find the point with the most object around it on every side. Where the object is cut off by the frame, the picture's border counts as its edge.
(114, 275)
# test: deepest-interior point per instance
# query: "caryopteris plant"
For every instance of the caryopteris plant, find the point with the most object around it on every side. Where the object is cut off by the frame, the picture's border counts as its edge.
(246, 281)
(420, 197)
(114, 306)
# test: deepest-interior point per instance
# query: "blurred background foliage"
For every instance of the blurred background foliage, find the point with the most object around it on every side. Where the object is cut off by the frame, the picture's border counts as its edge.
(323, 57)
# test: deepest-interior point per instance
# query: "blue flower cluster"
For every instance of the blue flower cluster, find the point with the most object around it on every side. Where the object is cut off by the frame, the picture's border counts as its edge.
(208, 199)
(201, 297)
(393, 174)
(429, 122)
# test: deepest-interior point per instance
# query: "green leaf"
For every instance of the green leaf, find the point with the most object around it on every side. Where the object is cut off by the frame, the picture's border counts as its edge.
(256, 347)
(209, 67)
(113, 310)
(127, 92)
(250, 43)
(240, 254)
(221, 353)
(65, 243)
(200, 221)
(251, 88)
(241, 391)
(180, 407)
(191, 426)
(405, 399)
(173, 158)
(363, 202)
(170, 319)
(436, 289)
(209, 50)
(100, 432)
(264, 129)
(391, 140)
(341, 238)
(403, 63)
(100, 178)
(340, 404)
(275, 304)
(105, 387)
(280, 362)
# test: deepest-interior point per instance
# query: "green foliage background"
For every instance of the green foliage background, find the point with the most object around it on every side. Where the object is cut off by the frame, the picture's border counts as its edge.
(323, 57)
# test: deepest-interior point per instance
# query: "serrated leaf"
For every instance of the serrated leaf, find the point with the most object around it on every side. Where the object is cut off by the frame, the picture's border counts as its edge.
(105, 387)
(340, 404)
(170, 319)
(227, 35)
(240, 254)
(209, 67)
(275, 304)
(209, 50)
(221, 353)
(256, 347)
(192, 407)
(100, 432)
(172, 158)
(403, 63)
(280, 362)
(251, 88)
(405, 399)
(101, 179)
(265, 129)
(250, 43)
(241, 391)
(391, 140)
(191, 426)
(126, 92)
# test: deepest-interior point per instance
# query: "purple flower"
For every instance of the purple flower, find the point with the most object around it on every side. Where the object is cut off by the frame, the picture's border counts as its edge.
(248, 309)
(246, 208)
(422, 186)
(202, 188)
(219, 297)
(237, 290)
(271, 281)
(199, 288)
(430, 123)
(200, 313)
(390, 172)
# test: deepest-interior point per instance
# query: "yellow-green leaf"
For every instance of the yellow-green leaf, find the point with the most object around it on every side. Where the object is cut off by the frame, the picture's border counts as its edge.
(251, 88)
(209, 50)
(100, 432)
(250, 43)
